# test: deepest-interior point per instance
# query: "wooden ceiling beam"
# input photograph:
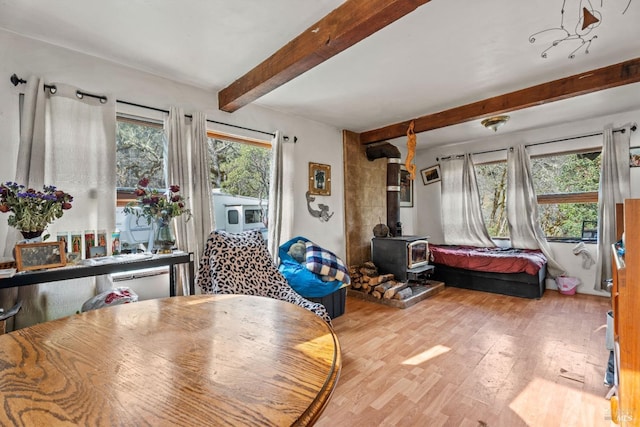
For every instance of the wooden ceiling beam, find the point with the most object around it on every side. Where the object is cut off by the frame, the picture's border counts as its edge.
(345, 26)
(608, 77)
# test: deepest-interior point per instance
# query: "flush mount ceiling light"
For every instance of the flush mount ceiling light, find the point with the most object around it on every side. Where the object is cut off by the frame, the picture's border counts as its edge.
(494, 123)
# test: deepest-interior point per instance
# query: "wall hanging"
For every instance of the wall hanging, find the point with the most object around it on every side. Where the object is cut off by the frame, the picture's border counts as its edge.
(322, 213)
(319, 179)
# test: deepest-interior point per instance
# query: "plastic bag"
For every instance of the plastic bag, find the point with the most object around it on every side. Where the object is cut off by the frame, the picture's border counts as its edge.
(567, 285)
(111, 297)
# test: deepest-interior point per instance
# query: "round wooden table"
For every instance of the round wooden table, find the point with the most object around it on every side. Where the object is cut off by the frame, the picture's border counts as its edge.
(197, 360)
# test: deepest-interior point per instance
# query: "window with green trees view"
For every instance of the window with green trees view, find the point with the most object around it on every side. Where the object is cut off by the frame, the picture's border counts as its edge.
(238, 168)
(566, 186)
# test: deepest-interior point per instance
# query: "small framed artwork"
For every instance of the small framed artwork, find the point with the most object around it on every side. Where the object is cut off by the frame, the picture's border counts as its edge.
(38, 256)
(97, 251)
(634, 157)
(430, 174)
(319, 179)
(406, 188)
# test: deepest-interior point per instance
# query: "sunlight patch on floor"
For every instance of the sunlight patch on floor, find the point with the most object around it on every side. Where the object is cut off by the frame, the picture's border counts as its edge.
(434, 351)
(534, 412)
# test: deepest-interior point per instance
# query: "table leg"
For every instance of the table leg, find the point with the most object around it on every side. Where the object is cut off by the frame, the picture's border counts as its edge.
(192, 276)
(172, 280)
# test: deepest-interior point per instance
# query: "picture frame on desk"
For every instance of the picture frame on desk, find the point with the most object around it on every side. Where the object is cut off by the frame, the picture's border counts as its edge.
(38, 256)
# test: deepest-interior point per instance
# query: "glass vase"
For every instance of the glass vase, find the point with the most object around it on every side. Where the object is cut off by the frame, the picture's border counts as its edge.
(163, 238)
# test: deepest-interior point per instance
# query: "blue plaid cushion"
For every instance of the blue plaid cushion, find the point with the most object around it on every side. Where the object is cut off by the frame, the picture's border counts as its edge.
(326, 263)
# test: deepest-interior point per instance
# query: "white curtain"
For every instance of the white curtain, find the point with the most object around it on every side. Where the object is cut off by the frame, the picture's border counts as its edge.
(30, 162)
(70, 143)
(522, 209)
(200, 203)
(280, 194)
(179, 173)
(614, 188)
(461, 212)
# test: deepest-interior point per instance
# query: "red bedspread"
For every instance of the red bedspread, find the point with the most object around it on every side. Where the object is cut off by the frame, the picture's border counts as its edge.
(493, 260)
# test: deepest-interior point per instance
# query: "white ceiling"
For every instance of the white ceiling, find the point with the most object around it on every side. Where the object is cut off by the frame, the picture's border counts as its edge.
(445, 54)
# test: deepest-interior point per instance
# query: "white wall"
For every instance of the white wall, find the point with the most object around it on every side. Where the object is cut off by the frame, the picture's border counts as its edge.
(426, 212)
(317, 142)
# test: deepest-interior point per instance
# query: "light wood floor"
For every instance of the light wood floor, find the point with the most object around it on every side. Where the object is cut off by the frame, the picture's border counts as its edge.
(469, 358)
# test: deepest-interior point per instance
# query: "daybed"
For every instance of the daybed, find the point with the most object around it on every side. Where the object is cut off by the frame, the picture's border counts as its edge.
(516, 272)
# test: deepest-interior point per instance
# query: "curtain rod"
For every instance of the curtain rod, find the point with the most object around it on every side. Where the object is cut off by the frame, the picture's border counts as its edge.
(621, 130)
(103, 99)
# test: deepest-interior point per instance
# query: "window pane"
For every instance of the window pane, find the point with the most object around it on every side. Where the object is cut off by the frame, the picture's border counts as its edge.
(492, 186)
(139, 153)
(232, 217)
(566, 219)
(240, 169)
(252, 216)
(567, 173)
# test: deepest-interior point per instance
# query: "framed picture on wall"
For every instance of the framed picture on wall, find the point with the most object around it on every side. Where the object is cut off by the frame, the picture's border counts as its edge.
(319, 179)
(430, 174)
(406, 188)
(634, 157)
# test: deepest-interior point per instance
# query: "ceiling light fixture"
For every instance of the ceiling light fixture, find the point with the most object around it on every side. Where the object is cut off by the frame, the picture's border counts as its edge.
(494, 123)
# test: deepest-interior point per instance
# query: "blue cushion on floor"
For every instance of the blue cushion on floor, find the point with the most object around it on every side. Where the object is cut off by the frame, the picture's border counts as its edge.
(301, 279)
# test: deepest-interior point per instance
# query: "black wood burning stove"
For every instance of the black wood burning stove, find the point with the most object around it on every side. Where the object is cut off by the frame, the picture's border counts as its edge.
(406, 257)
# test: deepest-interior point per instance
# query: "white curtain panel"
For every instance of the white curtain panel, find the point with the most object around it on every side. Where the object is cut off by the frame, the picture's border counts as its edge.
(280, 194)
(460, 208)
(200, 203)
(522, 209)
(179, 161)
(614, 188)
(77, 156)
(30, 162)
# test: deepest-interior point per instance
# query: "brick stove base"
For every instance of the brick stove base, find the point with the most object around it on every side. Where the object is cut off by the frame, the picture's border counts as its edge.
(420, 291)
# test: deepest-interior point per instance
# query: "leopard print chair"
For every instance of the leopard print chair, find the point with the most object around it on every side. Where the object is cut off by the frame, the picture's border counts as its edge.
(241, 264)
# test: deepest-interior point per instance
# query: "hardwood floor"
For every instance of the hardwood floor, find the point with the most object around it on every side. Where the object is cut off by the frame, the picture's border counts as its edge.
(469, 358)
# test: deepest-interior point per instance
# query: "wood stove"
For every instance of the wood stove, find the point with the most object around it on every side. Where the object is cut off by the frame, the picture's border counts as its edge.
(406, 257)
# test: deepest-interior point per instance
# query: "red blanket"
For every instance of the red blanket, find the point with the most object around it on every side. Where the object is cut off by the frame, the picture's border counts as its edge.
(493, 260)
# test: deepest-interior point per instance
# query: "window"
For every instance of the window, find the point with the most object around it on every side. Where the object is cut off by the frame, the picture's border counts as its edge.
(240, 166)
(232, 217)
(252, 216)
(240, 173)
(492, 186)
(567, 189)
(140, 152)
(566, 185)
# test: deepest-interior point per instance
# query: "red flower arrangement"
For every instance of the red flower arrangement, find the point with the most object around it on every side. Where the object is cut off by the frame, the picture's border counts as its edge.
(154, 204)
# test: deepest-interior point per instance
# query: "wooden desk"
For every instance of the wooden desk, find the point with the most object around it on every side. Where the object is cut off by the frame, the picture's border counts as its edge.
(196, 360)
(123, 264)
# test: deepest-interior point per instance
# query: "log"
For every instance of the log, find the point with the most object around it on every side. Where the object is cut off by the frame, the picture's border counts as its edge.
(369, 271)
(389, 293)
(403, 294)
(381, 279)
(365, 279)
(356, 284)
(383, 287)
(376, 294)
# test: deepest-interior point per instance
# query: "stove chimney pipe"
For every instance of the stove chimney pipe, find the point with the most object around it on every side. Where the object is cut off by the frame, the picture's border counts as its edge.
(378, 151)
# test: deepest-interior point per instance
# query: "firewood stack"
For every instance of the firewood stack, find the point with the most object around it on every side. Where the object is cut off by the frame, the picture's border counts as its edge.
(365, 278)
